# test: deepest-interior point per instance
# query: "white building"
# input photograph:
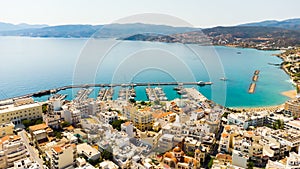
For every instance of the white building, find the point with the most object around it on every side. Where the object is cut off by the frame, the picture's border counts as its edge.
(88, 151)
(166, 142)
(26, 164)
(12, 149)
(62, 156)
(108, 117)
(295, 124)
(247, 119)
(127, 127)
(239, 159)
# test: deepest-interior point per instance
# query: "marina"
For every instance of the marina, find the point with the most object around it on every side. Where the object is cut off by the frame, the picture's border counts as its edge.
(83, 94)
(105, 94)
(126, 93)
(156, 94)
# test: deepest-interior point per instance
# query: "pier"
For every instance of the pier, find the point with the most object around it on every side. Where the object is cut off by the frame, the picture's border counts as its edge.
(55, 90)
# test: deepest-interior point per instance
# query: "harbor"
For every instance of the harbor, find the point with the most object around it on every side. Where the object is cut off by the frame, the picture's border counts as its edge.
(104, 86)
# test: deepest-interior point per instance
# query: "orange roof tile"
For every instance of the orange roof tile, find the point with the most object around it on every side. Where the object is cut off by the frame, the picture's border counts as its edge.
(224, 157)
(127, 123)
(9, 137)
(57, 149)
(227, 127)
(38, 127)
(224, 135)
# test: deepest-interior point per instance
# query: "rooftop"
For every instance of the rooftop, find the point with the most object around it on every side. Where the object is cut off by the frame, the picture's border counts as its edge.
(42, 126)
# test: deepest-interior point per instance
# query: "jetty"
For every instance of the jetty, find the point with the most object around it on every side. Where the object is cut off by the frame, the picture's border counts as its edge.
(252, 88)
(55, 90)
(255, 78)
(253, 84)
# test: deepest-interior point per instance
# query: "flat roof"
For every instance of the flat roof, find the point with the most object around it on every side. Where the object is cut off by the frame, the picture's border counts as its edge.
(89, 150)
(294, 123)
(9, 108)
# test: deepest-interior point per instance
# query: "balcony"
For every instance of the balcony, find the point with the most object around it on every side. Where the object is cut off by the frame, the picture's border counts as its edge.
(16, 153)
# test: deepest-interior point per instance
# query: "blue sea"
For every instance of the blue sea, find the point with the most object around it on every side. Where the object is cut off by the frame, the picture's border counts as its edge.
(32, 64)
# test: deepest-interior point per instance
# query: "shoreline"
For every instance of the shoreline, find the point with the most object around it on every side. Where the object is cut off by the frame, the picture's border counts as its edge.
(258, 109)
(290, 94)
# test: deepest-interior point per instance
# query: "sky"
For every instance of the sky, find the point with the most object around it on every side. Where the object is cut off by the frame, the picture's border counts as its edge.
(199, 13)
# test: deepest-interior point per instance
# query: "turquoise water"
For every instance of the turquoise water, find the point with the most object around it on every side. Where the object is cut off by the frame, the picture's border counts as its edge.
(32, 64)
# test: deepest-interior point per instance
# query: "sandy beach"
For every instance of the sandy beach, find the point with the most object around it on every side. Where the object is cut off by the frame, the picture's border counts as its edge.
(258, 109)
(291, 94)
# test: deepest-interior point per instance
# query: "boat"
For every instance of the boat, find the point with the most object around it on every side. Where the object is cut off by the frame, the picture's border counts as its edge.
(239, 52)
(223, 79)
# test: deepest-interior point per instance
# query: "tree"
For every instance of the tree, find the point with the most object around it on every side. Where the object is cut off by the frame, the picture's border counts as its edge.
(132, 101)
(107, 154)
(58, 134)
(250, 165)
(190, 153)
(65, 124)
(45, 108)
(143, 103)
(117, 124)
(210, 163)
(38, 121)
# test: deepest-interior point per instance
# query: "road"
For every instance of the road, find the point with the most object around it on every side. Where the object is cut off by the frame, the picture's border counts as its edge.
(32, 151)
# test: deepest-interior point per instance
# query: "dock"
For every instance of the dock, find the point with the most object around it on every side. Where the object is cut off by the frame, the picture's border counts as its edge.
(102, 85)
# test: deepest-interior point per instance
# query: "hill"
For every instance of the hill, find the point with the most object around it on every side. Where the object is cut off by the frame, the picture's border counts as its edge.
(12, 27)
(292, 24)
(103, 31)
(243, 36)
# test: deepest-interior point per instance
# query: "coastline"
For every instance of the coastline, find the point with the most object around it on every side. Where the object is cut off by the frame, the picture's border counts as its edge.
(290, 94)
(258, 109)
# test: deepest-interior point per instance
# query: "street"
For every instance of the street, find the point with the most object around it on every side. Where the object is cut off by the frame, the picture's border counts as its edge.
(32, 151)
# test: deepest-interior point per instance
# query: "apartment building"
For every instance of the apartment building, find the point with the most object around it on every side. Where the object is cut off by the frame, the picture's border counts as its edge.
(142, 119)
(12, 149)
(62, 156)
(247, 119)
(293, 106)
(19, 110)
(6, 129)
(108, 117)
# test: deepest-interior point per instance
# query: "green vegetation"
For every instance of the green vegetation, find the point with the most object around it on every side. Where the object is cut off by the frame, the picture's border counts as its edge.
(225, 114)
(107, 154)
(45, 108)
(28, 123)
(190, 153)
(210, 163)
(250, 165)
(117, 124)
(57, 134)
(65, 124)
(132, 101)
(278, 124)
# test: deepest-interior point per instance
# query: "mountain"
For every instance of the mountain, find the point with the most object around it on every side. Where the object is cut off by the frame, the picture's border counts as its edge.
(12, 27)
(292, 24)
(103, 31)
(243, 36)
(65, 31)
